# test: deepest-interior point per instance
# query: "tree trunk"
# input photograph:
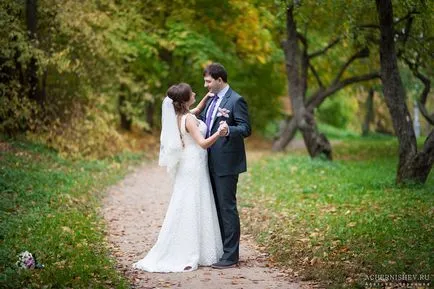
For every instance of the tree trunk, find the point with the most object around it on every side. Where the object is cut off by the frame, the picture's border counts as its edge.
(286, 134)
(412, 166)
(125, 120)
(150, 110)
(296, 67)
(32, 77)
(418, 168)
(317, 143)
(43, 90)
(317, 98)
(297, 64)
(369, 117)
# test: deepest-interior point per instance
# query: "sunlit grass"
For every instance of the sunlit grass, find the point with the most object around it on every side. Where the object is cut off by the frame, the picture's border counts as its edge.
(49, 206)
(336, 221)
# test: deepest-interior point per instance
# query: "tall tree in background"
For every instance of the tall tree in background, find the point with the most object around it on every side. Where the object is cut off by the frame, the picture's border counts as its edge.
(414, 165)
(108, 63)
(369, 116)
(300, 65)
(414, 35)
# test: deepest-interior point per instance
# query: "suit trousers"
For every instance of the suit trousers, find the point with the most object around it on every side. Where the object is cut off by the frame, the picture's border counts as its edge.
(225, 190)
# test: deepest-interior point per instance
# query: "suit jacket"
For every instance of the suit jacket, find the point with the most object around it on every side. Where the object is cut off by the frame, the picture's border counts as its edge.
(227, 156)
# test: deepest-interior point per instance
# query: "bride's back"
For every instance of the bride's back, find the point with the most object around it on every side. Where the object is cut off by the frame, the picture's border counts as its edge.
(186, 138)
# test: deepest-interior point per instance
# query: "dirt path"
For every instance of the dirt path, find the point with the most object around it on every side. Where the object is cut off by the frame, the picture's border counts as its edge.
(134, 210)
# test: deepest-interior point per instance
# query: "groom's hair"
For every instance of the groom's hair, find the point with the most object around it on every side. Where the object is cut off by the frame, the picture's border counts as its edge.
(216, 70)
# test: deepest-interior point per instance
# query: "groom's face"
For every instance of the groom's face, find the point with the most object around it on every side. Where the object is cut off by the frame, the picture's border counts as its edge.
(213, 85)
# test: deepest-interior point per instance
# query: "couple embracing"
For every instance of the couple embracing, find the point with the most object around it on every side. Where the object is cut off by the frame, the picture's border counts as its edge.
(203, 148)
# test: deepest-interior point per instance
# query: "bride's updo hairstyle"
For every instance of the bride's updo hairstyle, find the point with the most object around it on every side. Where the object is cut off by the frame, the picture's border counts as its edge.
(180, 94)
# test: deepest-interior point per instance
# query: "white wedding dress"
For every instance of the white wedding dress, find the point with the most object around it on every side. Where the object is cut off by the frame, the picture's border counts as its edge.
(190, 234)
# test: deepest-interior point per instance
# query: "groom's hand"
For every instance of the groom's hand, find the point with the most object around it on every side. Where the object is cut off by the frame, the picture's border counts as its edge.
(223, 128)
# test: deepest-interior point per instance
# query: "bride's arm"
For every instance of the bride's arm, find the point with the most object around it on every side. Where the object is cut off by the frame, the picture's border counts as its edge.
(193, 129)
(201, 105)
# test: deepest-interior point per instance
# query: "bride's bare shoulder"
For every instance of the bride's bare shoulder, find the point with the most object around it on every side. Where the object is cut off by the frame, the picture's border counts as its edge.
(193, 118)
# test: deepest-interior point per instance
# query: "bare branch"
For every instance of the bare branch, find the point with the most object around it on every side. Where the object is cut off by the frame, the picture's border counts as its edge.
(424, 95)
(360, 54)
(429, 118)
(374, 26)
(407, 29)
(405, 35)
(302, 39)
(428, 148)
(427, 84)
(324, 50)
(320, 95)
(316, 75)
(409, 15)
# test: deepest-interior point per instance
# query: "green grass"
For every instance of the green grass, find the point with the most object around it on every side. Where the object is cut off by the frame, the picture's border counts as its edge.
(337, 133)
(49, 206)
(340, 134)
(336, 221)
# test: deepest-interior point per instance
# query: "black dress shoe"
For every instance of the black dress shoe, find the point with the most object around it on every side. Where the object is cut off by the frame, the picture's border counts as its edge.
(224, 264)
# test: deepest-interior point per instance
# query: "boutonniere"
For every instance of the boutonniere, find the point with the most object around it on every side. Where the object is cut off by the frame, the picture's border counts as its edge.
(224, 112)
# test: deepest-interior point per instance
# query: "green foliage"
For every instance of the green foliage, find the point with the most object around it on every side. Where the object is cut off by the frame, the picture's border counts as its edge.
(89, 54)
(52, 211)
(338, 110)
(84, 50)
(261, 85)
(336, 222)
(418, 47)
(15, 51)
(335, 133)
(15, 113)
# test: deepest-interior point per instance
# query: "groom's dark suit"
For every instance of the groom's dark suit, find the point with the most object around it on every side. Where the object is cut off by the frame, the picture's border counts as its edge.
(227, 159)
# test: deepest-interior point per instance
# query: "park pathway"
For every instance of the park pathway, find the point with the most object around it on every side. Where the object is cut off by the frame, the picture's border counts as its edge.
(134, 210)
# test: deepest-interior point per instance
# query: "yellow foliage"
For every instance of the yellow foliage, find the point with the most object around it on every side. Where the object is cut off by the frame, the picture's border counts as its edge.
(250, 31)
(87, 134)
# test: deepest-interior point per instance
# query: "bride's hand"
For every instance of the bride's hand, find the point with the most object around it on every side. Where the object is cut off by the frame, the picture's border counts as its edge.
(209, 94)
(223, 128)
(220, 132)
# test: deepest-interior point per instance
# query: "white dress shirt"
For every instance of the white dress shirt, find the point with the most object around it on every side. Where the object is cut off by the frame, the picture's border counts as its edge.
(220, 94)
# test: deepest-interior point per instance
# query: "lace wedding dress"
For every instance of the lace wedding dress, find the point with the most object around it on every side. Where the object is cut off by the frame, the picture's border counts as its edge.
(190, 234)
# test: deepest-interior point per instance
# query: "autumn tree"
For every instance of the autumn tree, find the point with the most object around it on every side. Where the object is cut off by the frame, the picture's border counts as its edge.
(305, 22)
(98, 65)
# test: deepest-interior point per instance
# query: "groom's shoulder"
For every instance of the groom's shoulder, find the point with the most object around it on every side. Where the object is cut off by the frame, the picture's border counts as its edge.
(235, 95)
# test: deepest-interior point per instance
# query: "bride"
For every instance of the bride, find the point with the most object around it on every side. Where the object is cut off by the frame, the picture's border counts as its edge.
(190, 234)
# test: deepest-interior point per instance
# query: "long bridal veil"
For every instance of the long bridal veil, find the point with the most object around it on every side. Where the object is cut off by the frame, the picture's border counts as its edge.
(170, 140)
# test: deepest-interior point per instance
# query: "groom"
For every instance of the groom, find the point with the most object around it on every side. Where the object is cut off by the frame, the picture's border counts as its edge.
(227, 157)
